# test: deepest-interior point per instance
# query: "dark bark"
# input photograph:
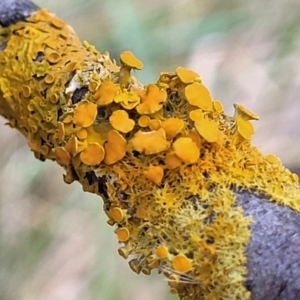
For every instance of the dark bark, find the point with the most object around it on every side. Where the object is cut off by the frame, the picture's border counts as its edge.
(274, 250)
(13, 11)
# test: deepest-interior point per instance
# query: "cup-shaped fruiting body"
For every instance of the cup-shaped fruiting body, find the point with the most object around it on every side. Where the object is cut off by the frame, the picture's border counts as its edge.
(152, 101)
(198, 95)
(128, 62)
(154, 174)
(186, 149)
(115, 147)
(150, 142)
(121, 121)
(185, 77)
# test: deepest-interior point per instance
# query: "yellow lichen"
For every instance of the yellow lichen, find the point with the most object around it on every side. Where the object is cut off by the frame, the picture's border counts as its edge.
(245, 128)
(244, 113)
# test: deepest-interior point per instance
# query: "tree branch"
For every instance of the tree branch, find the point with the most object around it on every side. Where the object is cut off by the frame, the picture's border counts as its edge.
(186, 191)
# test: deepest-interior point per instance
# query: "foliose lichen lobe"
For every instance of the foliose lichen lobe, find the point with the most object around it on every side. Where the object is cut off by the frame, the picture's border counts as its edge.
(165, 157)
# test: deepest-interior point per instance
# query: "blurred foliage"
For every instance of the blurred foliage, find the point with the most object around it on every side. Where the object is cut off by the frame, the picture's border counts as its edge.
(54, 240)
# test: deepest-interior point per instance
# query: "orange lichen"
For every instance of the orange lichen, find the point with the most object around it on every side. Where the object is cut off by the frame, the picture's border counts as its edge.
(93, 86)
(161, 252)
(181, 263)
(123, 234)
(85, 114)
(92, 155)
(198, 95)
(150, 142)
(196, 114)
(128, 59)
(154, 174)
(154, 124)
(62, 156)
(143, 121)
(105, 93)
(115, 148)
(49, 78)
(60, 131)
(128, 62)
(117, 214)
(172, 127)
(152, 101)
(162, 180)
(82, 133)
(128, 100)
(121, 121)
(186, 150)
(187, 76)
(208, 129)
(172, 161)
(72, 145)
(195, 138)
(54, 57)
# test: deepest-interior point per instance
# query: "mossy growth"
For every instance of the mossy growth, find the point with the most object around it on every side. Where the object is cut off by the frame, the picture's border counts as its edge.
(165, 157)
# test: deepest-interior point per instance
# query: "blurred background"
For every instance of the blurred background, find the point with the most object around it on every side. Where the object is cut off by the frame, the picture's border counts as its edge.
(54, 240)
